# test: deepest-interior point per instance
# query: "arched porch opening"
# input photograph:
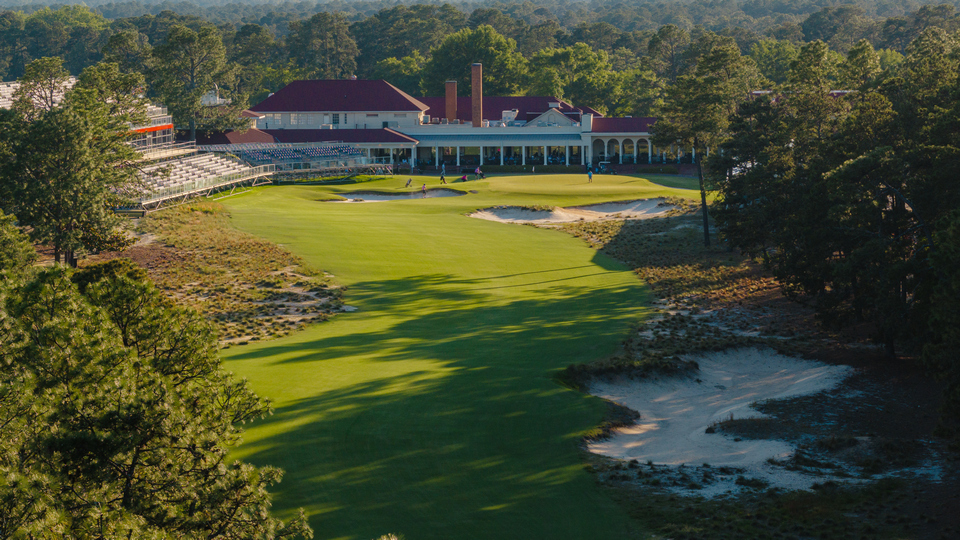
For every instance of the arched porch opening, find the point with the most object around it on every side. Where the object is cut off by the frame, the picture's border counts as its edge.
(628, 148)
(643, 151)
(613, 151)
(599, 151)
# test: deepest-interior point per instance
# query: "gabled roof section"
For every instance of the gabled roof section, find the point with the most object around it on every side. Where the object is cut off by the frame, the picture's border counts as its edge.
(385, 135)
(528, 107)
(553, 116)
(623, 125)
(339, 96)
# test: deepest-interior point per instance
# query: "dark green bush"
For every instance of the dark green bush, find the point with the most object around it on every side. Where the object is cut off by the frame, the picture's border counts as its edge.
(659, 169)
(546, 169)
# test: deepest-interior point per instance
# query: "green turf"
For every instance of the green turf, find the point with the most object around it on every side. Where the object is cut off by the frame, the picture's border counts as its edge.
(674, 181)
(431, 411)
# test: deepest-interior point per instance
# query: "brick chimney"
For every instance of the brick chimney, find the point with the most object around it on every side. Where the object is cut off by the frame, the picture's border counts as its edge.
(477, 101)
(451, 100)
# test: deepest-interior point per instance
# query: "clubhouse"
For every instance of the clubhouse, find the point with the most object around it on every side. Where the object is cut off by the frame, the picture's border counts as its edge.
(389, 125)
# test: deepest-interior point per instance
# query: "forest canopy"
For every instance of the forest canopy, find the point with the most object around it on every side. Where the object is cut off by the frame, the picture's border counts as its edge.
(614, 57)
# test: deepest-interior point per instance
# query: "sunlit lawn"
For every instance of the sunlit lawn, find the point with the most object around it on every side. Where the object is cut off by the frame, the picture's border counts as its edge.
(431, 410)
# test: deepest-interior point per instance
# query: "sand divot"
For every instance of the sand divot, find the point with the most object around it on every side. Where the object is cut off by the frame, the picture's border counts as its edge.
(676, 411)
(642, 209)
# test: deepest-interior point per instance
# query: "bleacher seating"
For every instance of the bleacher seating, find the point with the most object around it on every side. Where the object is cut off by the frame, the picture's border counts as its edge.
(7, 90)
(262, 153)
(187, 170)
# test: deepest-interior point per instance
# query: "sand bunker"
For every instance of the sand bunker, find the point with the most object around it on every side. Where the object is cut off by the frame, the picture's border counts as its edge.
(675, 413)
(615, 210)
(372, 196)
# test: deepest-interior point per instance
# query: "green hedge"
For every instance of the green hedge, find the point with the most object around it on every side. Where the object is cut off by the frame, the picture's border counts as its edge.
(659, 169)
(548, 169)
(359, 179)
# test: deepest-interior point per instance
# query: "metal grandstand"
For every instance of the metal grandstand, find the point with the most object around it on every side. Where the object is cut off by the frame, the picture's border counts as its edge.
(172, 172)
(172, 182)
(8, 91)
(301, 159)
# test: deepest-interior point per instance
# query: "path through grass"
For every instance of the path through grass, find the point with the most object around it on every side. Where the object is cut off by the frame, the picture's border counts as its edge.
(432, 411)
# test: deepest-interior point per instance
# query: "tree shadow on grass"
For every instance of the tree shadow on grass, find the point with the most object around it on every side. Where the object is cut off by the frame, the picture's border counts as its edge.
(479, 444)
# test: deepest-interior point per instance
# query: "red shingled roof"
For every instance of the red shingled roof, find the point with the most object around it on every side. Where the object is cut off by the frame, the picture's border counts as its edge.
(235, 137)
(334, 96)
(622, 125)
(384, 135)
(528, 107)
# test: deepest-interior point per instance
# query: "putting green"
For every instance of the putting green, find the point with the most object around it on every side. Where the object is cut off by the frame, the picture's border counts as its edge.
(431, 410)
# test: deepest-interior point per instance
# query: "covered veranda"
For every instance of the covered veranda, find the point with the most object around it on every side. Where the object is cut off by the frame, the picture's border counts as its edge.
(500, 149)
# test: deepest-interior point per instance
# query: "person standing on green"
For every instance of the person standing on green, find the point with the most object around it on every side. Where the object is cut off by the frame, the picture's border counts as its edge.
(589, 176)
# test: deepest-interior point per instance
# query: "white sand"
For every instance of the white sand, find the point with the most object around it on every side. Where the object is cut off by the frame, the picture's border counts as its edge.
(676, 411)
(615, 210)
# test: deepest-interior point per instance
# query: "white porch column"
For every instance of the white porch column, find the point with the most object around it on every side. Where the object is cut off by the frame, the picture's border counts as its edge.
(649, 152)
(458, 156)
(369, 156)
(567, 162)
(523, 155)
(544, 155)
(693, 155)
(501, 154)
(620, 153)
(436, 156)
(481, 156)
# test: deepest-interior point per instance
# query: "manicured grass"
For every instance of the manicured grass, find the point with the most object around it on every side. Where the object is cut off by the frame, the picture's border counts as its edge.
(432, 410)
(674, 181)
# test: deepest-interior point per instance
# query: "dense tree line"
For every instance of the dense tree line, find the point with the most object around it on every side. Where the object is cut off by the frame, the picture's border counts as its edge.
(850, 198)
(614, 66)
(754, 15)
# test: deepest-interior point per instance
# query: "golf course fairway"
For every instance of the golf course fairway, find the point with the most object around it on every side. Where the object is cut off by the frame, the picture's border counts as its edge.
(431, 411)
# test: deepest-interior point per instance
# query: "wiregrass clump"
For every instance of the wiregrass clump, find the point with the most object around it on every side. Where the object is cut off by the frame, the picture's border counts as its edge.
(710, 298)
(249, 288)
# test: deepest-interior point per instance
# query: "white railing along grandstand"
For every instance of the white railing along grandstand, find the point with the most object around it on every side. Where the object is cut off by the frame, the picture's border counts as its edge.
(169, 149)
(204, 184)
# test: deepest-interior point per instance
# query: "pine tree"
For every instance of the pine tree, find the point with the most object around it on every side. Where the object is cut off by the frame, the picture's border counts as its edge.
(116, 418)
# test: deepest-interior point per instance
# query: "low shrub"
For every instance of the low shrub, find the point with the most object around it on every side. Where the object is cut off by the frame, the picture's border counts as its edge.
(658, 169)
(546, 169)
(330, 180)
